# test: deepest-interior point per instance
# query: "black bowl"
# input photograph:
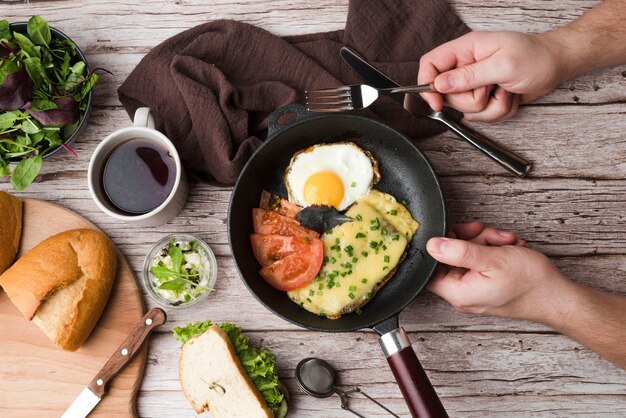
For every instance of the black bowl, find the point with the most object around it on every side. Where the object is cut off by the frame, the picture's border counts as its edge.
(20, 27)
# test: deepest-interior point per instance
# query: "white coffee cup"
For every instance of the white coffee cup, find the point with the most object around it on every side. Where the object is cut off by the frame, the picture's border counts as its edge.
(143, 127)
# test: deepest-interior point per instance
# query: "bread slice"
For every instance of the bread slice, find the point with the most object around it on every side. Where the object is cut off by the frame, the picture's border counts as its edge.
(213, 379)
(10, 228)
(63, 284)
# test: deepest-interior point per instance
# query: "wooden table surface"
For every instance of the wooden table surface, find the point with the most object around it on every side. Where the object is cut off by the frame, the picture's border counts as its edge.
(572, 207)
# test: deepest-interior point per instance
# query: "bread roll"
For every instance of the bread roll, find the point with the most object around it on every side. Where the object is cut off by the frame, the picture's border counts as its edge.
(10, 228)
(63, 284)
(213, 379)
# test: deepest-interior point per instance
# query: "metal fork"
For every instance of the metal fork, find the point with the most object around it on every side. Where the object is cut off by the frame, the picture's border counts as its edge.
(356, 96)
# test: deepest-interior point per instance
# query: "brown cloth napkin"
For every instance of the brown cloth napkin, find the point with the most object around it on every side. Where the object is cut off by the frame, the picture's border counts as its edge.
(212, 87)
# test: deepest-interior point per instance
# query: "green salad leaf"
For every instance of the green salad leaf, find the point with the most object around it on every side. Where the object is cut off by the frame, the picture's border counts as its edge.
(43, 91)
(259, 363)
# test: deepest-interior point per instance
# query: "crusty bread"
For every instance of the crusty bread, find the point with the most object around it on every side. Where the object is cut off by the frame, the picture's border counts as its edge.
(10, 228)
(213, 379)
(63, 284)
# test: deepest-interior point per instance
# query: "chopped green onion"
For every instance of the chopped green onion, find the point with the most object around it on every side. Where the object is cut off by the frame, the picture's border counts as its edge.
(354, 259)
(373, 244)
(363, 280)
(358, 217)
(360, 235)
(353, 184)
(404, 202)
(358, 312)
(393, 212)
(333, 260)
(364, 253)
(395, 237)
(351, 295)
(311, 292)
(386, 259)
(383, 232)
(352, 288)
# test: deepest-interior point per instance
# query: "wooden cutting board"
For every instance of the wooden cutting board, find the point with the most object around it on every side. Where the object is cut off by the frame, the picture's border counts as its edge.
(39, 379)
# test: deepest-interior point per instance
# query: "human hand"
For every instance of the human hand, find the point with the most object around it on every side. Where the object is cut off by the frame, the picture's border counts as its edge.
(486, 75)
(490, 272)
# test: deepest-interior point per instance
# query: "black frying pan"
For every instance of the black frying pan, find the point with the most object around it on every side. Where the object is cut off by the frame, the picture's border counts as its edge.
(406, 174)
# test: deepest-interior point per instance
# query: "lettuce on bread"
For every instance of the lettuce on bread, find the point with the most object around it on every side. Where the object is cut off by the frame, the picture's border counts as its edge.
(220, 371)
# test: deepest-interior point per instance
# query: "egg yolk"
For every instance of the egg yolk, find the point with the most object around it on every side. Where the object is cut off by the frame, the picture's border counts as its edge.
(323, 188)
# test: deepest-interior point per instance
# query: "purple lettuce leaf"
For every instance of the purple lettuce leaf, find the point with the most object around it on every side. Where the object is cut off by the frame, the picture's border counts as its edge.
(66, 112)
(16, 90)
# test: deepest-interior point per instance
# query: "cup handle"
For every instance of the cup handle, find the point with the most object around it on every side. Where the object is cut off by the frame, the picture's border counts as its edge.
(144, 118)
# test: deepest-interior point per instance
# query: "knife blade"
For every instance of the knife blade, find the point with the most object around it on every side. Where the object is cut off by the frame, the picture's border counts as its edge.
(93, 393)
(376, 78)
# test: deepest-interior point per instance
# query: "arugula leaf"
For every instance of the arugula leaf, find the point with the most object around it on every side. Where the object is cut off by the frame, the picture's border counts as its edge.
(7, 67)
(177, 258)
(5, 170)
(38, 30)
(5, 29)
(25, 172)
(28, 126)
(7, 119)
(40, 105)
(29, 49)
(36, 72)
(177, 285)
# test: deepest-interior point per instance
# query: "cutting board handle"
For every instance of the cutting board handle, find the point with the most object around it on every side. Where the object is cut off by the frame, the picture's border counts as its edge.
(127, 350)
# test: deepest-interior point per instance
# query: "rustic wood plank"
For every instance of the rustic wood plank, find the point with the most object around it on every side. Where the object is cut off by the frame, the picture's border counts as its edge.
(562, 141)
(119, 46)
(562, 217)
(467, 370)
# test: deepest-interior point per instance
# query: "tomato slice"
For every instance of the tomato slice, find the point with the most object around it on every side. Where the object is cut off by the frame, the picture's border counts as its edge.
(297, 269)
(271, 223)
(271, 248)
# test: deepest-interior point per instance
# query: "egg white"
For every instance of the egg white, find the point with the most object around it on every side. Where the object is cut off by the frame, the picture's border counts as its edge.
(356, 169)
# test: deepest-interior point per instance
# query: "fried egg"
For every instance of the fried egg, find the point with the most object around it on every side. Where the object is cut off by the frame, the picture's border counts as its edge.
(359, 256)
(331, 174)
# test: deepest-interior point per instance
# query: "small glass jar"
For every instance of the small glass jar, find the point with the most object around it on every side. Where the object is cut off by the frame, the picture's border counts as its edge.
(207, 271)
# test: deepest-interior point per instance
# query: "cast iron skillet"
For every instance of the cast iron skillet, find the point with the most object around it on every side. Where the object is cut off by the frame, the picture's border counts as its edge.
(406, 174)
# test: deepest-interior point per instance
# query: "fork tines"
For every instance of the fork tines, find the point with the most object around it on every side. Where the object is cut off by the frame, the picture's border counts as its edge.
(329, 100)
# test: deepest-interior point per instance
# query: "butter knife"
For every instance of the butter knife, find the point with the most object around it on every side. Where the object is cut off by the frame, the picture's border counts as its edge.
(503, 156)
(93, 393)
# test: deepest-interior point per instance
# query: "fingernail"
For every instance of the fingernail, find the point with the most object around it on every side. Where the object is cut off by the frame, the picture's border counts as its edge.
(445, 82)
(436, 245)
(505, 234)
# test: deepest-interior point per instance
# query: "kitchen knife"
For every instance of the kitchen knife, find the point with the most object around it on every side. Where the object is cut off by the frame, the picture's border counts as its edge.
(92, 394)
(375, 78)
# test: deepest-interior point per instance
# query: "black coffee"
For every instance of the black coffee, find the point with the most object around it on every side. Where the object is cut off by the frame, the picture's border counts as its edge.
(138, 176)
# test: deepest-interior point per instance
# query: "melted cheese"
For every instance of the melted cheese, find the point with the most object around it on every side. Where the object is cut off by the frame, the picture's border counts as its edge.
(358, 256)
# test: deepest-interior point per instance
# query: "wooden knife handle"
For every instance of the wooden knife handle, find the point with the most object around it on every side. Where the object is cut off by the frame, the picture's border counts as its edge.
(127, 350)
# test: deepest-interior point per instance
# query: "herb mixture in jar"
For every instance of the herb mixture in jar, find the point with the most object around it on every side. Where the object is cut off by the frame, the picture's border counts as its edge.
(180, 272)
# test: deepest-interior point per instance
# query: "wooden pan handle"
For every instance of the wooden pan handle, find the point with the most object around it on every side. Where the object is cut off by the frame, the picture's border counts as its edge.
(127, 350)
(416, 389)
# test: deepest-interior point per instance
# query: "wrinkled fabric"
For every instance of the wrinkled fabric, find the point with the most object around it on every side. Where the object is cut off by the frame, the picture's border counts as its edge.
(212, 87)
